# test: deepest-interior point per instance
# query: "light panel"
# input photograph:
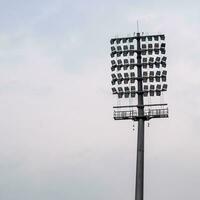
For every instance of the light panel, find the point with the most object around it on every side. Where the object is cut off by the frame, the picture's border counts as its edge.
(164, 76)
(150, 46)
(113, 62)
(152, 90)
(118, 40)
(151, 76)
(158, 90)
(113, 49)
(157, 62)
(119, 49)
(151, 62)
(150, 51)
(164, 59)
(124, 40)
(132, 76)
(125, 53)
(151, 59)
(127, 92)
(132, 61)
(158, 87)
(119, 78)
(156, 38)
(156, 51)
(119, 61)
(112, 41)
(157, 59)
(125, 67)
(125, 47)
(114, 81)
(143, 39)
(120, 92)
(149, 38)
(131, 47)
(162, 37)
(145, 76)
(126, 61)
(144, 62)
(158, 76)
(114, 91)
(133, 91)
(114, 77)
(130, 40)
(144, 52)
(164, 88)
(162, 51)
(156, 45)
(145, 89)
(126, 78)
(144, 46)
(129, 50)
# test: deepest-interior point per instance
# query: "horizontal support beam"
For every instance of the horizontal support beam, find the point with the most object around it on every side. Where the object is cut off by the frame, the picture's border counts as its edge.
(142, 63)
(135, 37)
(148, 114)
(140, 92)
(145, 105)
(139, 78)
(113, 53)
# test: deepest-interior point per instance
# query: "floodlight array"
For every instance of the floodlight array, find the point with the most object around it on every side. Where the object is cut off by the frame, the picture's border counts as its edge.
(154, 65)
(150, 44)
(124, 54)
(150, 62)
(151, 48)
(123, 64)
(130, 91)
(154, 76)
(143, 39)
(154, 61)
(123, 78)
(124, 50)
(126, 92)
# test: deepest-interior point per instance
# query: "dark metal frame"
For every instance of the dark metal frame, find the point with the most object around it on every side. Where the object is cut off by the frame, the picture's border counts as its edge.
(138, 112)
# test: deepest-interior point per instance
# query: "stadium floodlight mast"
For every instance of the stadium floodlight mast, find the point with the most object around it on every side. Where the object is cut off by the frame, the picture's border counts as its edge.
(138, 71)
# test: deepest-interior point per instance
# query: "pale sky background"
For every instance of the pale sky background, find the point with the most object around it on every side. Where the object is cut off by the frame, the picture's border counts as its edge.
(58, 139)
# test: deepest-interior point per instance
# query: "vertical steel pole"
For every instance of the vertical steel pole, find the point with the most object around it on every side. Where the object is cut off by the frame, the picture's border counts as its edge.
(140, 141)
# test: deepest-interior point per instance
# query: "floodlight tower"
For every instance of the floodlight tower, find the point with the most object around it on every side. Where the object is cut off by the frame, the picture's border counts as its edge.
(138, 67)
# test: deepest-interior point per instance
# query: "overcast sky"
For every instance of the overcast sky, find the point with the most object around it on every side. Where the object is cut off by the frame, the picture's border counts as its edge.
(58, 139)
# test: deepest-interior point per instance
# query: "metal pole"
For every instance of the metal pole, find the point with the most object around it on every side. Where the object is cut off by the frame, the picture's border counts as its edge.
(140, 141)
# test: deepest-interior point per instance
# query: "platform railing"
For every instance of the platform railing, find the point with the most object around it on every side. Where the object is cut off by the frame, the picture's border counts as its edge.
(148, 114)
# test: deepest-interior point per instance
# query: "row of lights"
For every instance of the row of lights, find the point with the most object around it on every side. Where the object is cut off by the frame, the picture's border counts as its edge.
(145, 60)
(132, 47)
(151, 62)
(151, 76)
(131, 52)
(148, 90)
(143, 38)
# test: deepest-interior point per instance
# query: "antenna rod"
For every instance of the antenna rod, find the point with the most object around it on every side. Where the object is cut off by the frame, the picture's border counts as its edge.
(138, 26)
